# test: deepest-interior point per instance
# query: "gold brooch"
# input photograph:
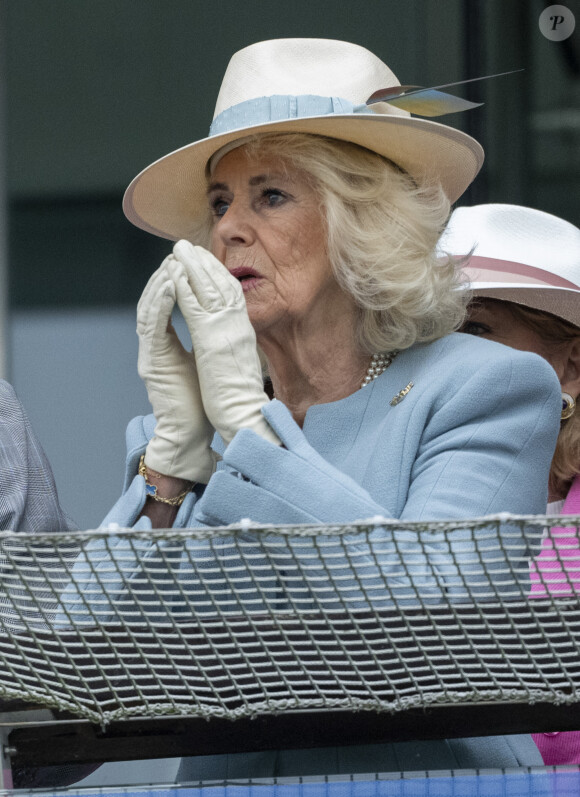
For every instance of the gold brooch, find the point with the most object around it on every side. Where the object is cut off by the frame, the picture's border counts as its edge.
(401, 395)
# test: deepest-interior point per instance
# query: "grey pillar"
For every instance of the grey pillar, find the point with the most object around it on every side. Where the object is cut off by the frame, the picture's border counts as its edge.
(4, 365)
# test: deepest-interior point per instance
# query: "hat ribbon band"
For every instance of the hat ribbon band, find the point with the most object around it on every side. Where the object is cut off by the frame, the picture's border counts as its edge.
(523, 270)
(279, 108)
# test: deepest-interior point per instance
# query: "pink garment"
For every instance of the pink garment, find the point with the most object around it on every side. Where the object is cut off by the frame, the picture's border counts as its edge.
(558, 748)
(556, 571)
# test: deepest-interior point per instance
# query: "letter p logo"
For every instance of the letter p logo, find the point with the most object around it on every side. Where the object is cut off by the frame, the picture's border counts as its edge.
(557, 23)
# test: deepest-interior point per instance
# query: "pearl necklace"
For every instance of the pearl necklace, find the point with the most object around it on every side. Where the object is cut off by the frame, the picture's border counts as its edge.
(379, 364)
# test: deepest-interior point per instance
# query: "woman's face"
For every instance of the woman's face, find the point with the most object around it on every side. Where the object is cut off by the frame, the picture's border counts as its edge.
(495, 321)
(269, 231)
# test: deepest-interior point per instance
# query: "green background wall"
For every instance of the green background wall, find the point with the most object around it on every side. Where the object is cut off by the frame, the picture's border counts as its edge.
(97, 89)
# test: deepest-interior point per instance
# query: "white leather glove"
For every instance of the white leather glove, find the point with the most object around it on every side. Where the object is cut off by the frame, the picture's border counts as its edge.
(224, 344)
(180, 446)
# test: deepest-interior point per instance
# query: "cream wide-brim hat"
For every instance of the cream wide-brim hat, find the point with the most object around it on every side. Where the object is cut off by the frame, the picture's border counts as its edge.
(519, 255)
(316, 86)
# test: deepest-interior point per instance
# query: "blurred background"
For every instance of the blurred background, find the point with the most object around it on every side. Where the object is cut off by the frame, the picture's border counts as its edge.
(92, 91)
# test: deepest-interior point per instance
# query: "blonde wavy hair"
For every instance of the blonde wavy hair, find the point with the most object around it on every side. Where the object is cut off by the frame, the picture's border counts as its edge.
(382, 230)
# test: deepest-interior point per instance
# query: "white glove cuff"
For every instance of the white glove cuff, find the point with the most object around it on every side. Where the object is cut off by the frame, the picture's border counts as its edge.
(165, 458)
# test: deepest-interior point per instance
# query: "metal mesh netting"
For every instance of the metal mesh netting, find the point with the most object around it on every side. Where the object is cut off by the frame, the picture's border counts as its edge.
(239, 621)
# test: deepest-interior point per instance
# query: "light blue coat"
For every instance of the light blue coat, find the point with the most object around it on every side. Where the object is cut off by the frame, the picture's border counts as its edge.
(473, 433)
(473, 436)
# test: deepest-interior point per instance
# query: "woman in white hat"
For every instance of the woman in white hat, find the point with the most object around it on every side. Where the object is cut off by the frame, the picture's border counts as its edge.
(523, 270)
(308, 220)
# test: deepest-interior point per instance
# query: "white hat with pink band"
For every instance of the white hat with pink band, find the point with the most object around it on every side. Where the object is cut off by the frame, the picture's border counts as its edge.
(519, 255)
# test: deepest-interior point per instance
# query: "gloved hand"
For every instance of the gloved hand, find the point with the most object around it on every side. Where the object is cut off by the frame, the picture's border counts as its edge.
(180, 446)
(224, 344)
(286, 485)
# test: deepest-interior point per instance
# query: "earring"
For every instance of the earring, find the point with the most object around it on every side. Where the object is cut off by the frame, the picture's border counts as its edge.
(568, 406)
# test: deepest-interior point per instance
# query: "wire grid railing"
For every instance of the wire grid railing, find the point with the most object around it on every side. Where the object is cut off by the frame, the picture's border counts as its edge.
(235, 622)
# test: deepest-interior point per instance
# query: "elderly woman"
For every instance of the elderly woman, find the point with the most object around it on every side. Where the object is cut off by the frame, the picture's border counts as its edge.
(308, 222)
(524, 273)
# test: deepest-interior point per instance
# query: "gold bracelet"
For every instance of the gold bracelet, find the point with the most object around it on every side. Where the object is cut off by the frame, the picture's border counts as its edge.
(151, 489)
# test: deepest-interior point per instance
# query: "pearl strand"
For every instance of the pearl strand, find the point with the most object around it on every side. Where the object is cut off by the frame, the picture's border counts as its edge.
(379, 364)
